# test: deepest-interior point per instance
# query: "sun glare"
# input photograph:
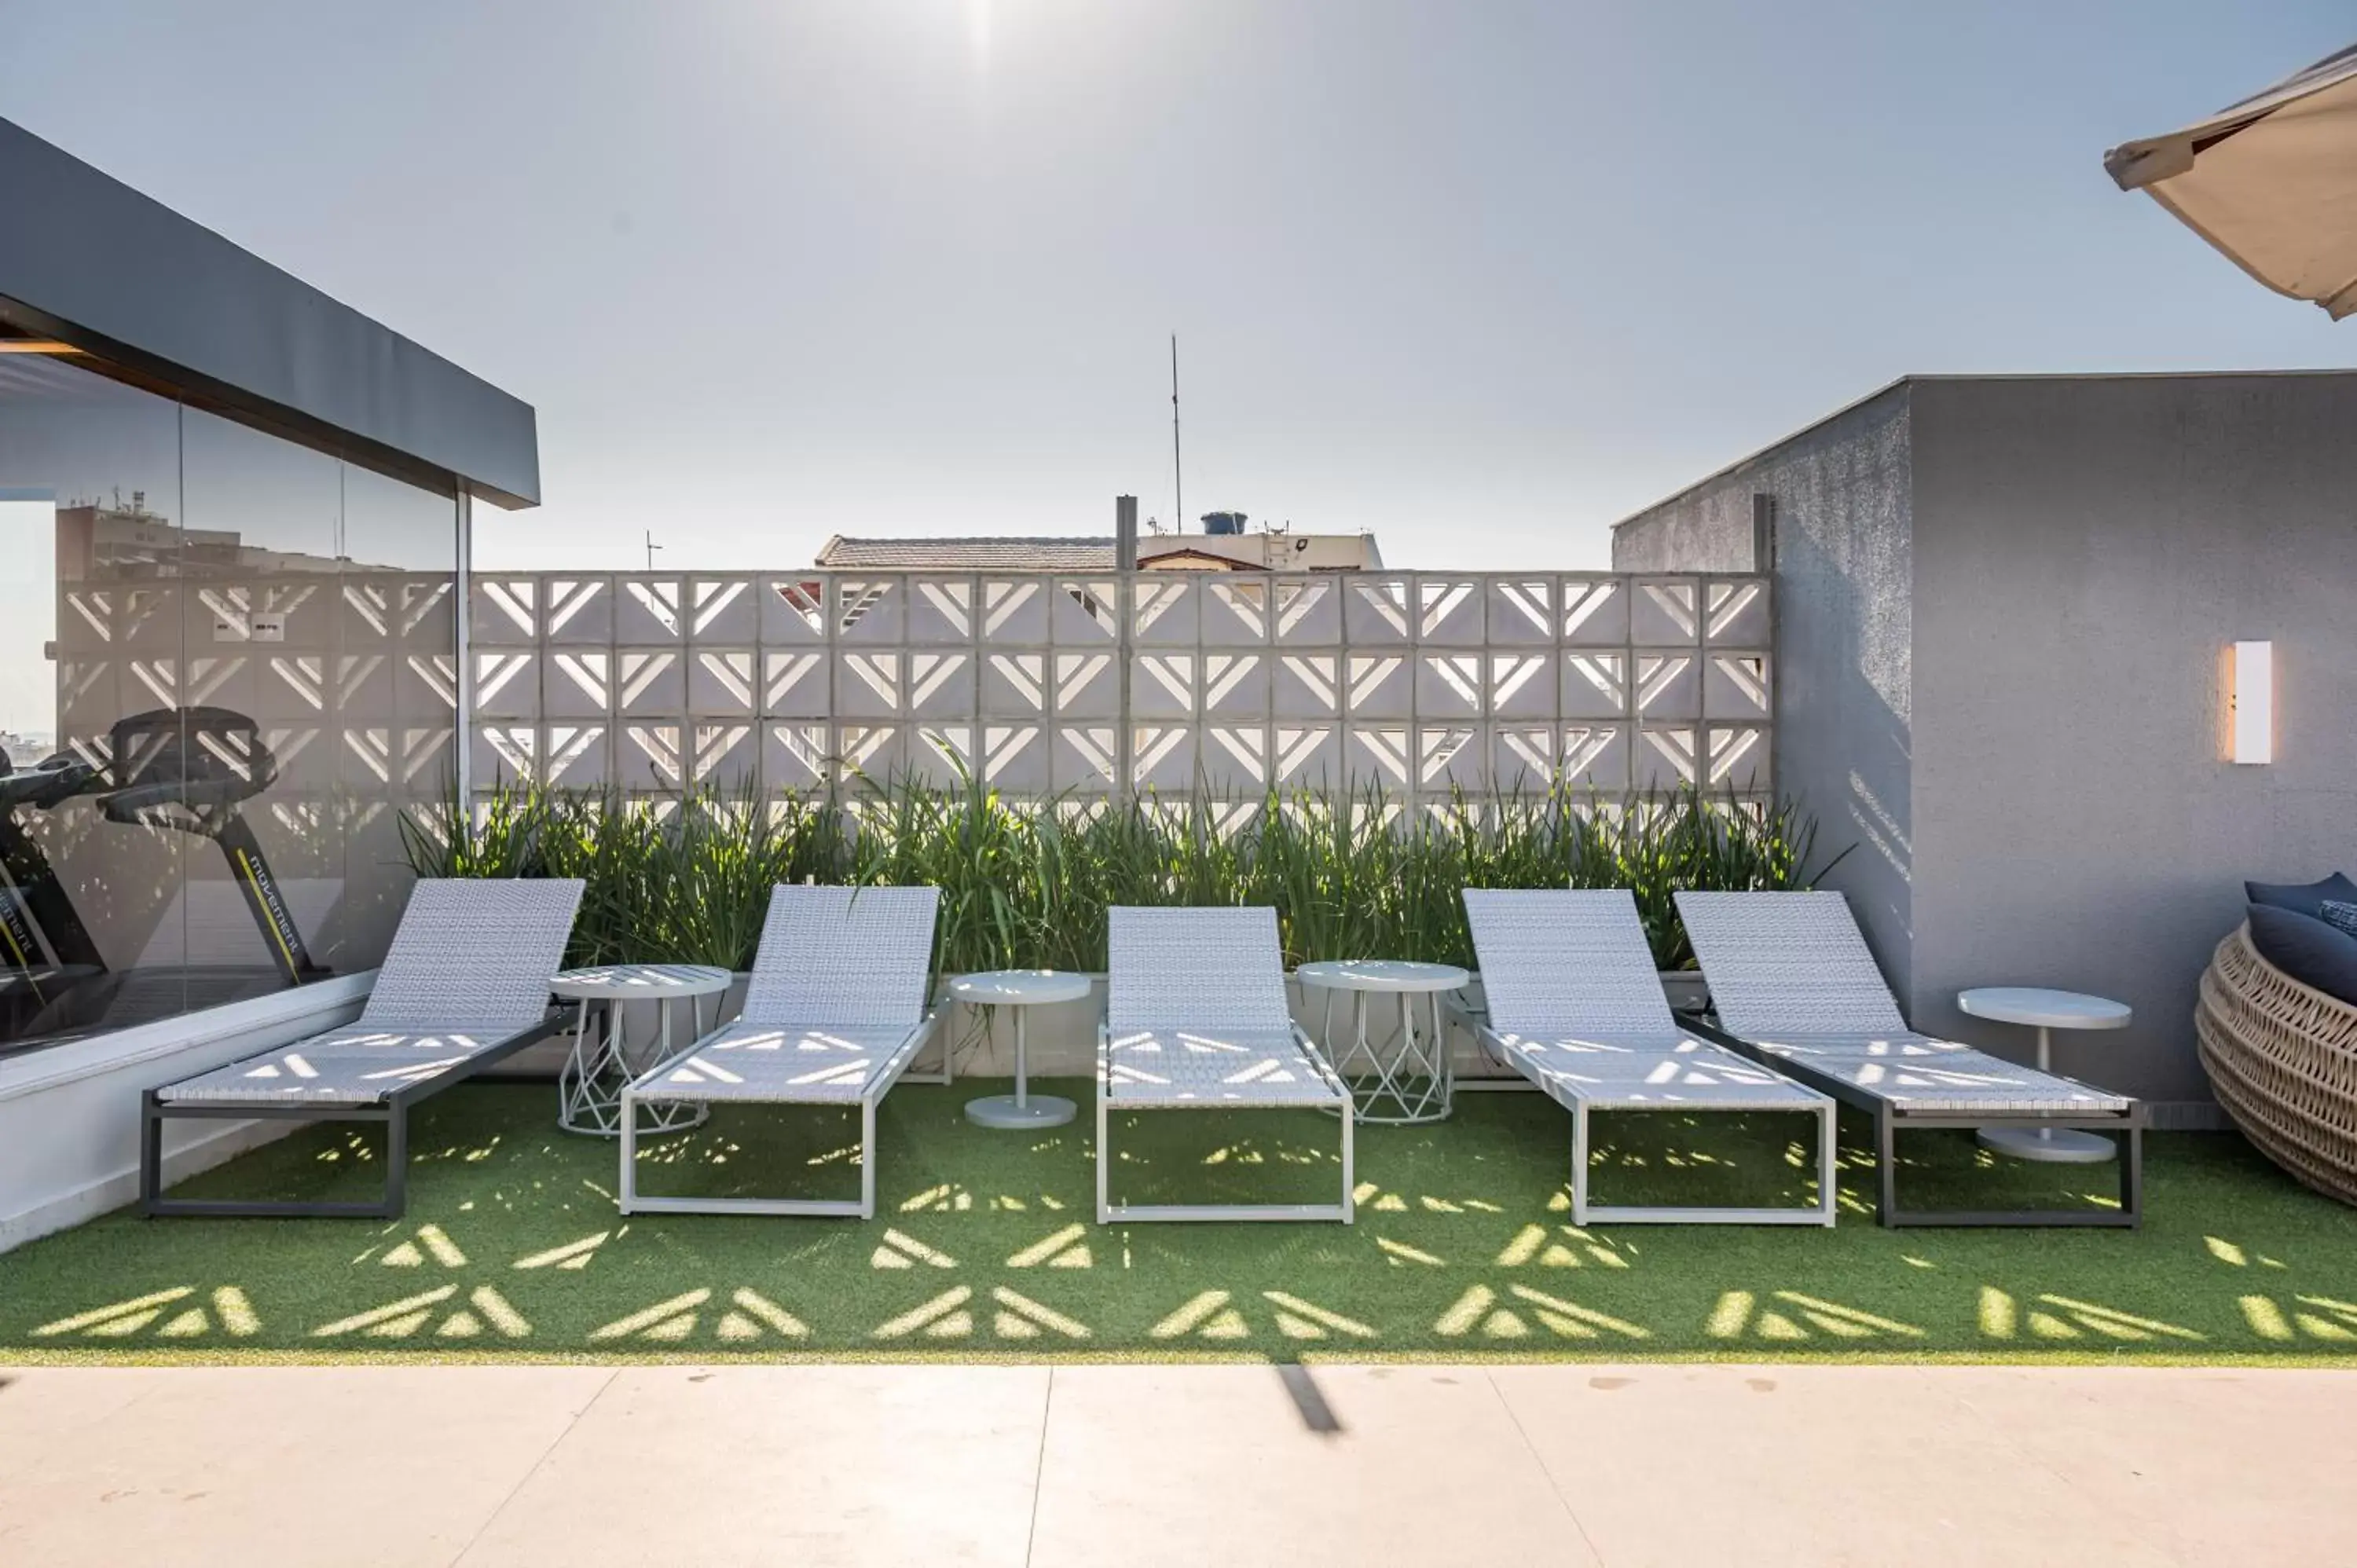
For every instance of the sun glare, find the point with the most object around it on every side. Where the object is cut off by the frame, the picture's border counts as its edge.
(977, 32)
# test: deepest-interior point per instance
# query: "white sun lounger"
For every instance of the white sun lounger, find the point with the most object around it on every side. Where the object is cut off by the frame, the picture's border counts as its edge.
(1575, 1006)
(464, 984)
(1196, 1020)
(837, 1011)
(1792, 982)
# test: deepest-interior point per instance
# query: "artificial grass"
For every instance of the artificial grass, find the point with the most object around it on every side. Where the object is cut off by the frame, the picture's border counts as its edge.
(984, 1244)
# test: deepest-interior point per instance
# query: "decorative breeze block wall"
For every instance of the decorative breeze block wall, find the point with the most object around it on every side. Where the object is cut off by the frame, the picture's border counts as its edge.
(1042, 684)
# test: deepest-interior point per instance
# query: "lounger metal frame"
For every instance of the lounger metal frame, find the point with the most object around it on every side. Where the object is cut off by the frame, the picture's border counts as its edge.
(1604, 991)
(472, 952)
(392, 1111)
(1890, 1120)
(1585, 1211)
(1204, 971)
(1108, 1211)
(817, 966)
(631, 1201)
(1857, 1002)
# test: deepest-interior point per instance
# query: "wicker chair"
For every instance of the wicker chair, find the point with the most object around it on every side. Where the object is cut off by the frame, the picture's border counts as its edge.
(2282, 1057)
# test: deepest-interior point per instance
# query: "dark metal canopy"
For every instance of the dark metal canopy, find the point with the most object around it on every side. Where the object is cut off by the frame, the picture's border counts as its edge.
(86, 259)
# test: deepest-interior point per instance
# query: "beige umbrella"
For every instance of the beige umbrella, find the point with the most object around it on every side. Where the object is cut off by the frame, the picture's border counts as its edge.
(2271, 182)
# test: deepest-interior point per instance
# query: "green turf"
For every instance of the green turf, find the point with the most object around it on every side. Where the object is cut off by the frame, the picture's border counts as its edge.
(984, 1244)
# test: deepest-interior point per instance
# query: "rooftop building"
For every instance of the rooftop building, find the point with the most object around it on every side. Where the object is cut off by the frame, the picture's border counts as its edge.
(1270, 550)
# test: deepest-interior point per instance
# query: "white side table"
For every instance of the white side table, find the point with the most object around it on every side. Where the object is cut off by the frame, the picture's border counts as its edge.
(1020, 989)
(1404, 1077)
(2047, 1010)
(589, 1086)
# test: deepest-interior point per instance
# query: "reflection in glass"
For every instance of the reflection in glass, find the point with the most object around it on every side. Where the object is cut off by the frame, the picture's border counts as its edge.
(87, 895)
(397, 693)
(254, 673)
(261, 844)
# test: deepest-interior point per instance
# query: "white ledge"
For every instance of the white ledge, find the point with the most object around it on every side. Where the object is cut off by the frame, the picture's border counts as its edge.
(49, 1066)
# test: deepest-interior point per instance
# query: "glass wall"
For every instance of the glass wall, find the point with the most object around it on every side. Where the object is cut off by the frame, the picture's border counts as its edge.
(229, 665)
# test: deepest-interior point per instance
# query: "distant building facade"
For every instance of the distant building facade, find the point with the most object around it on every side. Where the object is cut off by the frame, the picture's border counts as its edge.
(97, 542)
(1270, 550)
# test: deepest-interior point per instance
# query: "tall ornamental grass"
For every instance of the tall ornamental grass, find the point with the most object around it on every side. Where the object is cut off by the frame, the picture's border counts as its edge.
(1027, 883)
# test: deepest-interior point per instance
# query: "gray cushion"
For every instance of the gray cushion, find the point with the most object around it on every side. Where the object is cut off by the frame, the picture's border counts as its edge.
(2306, 949)
(2302, 896)
(2339, 915)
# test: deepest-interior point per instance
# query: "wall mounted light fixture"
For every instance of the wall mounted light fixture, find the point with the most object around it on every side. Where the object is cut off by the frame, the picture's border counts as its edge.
(2251, 703)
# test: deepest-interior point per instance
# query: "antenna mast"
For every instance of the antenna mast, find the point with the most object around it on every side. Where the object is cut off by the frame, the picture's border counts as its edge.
(1178, 473)
(651, 548)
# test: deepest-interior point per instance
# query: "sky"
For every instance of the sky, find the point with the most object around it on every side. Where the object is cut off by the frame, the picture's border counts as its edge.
(1481, 277)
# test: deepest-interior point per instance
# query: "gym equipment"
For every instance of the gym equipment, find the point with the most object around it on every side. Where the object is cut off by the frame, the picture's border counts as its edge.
(190, 770)
(187, 770)
(43, 942)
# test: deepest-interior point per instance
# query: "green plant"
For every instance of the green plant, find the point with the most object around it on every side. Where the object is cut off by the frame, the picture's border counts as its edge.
(1027, 883)
(500, 838)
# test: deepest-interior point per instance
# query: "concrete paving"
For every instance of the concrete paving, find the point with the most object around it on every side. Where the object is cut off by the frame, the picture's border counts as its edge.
(1150, 1464)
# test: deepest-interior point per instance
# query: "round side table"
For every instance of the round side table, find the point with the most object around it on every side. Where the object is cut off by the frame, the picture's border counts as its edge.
(589, 1086)
(1404, 1077)
(1020, 989)
(2047, 1010)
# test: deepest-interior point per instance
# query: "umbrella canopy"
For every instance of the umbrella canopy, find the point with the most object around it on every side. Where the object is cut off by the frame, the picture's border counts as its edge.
(2271, 182)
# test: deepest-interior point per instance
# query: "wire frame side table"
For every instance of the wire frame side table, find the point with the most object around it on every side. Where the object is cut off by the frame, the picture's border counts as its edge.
(589, 1086)
(1404, 1076)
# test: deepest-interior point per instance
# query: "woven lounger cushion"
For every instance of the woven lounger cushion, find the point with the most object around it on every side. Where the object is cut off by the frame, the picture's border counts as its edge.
(1231, 1067)
(1916, 1072)
(1578, 1009)
(781, 1063)
(1790, 972)
(474, 952)
(1669, 1070)
(355, 1065)
(468, 969)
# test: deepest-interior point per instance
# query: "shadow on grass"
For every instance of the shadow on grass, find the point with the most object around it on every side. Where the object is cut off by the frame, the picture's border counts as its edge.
(985, 1245)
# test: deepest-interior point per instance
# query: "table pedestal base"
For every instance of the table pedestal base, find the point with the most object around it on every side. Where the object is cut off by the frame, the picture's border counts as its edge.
(1022, 1108)
(1003, 1110)
(589, 1086)
(2049, 1146)
(1402, 1079)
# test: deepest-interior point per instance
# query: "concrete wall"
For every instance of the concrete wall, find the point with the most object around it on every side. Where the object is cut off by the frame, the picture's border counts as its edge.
(2003, 604)
(1844, 593)
(70, 1114)
(2085, 548)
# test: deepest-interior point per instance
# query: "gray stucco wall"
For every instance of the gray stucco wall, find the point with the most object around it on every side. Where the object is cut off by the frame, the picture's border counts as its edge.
(1844, 593)
(2003, 608)
(2085, 548)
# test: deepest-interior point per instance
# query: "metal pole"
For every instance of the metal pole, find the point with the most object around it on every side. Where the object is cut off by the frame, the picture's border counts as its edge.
(1177, 473)
(1124, 609)
(464, 588)
(830, 603)
(1022, 1064)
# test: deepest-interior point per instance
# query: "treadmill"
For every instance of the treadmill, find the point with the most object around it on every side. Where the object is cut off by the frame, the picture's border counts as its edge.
(190, 771)
(45, 949)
